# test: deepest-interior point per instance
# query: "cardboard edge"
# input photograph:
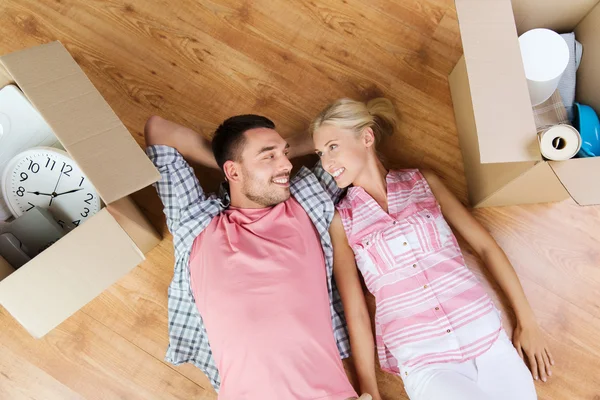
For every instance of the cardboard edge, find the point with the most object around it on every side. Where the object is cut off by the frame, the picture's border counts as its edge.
(5, 77)
(134, 223)
(5, 268)
(578, 173)
(101, 125)
(493, 64)
(495, 199)
(43, 293)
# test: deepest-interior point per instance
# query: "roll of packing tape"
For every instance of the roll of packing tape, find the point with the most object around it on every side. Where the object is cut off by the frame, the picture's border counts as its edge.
(559, 142)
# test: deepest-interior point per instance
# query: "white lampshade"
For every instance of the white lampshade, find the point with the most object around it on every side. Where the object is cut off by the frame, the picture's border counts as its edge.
(545, 57)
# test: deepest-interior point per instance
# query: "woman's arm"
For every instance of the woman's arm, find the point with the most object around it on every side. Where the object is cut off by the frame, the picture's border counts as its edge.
(355, 308)
(527, 337)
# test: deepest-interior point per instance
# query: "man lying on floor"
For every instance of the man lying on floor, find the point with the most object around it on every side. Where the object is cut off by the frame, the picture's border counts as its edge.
(252, 302)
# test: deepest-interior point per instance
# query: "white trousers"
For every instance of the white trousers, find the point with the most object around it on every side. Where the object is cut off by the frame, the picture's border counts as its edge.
(498, 374)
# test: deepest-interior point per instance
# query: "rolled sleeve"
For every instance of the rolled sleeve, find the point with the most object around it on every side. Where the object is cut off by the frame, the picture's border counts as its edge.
(178, 188)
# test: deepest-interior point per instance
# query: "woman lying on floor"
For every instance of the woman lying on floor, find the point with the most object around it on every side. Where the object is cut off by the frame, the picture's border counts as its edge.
(435, 325)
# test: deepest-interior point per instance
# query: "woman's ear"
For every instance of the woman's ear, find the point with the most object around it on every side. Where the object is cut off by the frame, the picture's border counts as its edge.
(368, 137)
(231, 171)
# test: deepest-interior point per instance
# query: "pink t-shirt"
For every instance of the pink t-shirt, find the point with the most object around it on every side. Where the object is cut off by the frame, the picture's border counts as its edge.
(258, 278)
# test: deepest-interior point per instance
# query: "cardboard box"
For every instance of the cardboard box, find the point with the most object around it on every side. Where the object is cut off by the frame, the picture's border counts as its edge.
(62, 279)
(496, 129)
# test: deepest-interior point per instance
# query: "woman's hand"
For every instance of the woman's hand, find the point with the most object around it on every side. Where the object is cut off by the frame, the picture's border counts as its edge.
(529, 341)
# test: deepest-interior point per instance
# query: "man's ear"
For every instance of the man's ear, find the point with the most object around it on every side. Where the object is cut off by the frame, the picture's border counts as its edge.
(368, 137)
(231, 169)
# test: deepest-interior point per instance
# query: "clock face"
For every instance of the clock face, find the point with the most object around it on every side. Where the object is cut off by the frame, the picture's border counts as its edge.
(50, 179)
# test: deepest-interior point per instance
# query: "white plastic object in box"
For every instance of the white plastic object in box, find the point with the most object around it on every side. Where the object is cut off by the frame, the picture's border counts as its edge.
(21, 127)
(545, 58)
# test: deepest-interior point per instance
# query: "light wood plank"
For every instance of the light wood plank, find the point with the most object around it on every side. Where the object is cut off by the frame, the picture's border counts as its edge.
(200, 62)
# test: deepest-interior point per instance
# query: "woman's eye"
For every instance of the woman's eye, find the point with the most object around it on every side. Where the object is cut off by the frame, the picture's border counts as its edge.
(320, 154)
(333, 147)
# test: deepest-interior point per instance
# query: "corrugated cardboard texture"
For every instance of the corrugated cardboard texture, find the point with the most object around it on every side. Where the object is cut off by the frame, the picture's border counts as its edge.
(5, 268)
(581, 178)
(82, 120)
(558, 15)
(65, 277)
(483, 179)
(502, 108)
(131, 219)
(588, 75)
(536, 185)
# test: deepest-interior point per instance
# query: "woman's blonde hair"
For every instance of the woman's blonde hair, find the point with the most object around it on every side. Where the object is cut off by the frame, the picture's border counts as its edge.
(378, 114)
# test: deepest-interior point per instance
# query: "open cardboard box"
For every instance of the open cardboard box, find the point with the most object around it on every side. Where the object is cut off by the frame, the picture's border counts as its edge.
(497, 133)
(66, 276)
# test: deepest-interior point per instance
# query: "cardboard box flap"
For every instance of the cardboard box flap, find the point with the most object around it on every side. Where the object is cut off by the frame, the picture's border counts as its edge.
(80, 117)
(69, 274)
(559, 15)
(505, 126)
(580, 176)
(588, 74)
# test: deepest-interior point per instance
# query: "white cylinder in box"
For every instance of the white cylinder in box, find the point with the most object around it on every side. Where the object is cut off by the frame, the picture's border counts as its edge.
(545, 57)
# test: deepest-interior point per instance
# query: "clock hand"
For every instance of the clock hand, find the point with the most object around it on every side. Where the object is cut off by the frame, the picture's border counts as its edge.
(70, 191)
(40, 194)
(54, 191)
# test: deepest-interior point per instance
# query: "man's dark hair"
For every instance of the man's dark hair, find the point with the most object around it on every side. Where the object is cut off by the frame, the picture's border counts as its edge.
(229, 136)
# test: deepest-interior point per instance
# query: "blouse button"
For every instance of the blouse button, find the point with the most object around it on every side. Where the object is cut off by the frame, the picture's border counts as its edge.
(437, 309)
(448, 331)
(405, 244)
(395, 222)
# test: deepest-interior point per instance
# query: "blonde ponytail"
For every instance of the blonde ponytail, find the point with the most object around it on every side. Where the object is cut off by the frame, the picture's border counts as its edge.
(378, 114)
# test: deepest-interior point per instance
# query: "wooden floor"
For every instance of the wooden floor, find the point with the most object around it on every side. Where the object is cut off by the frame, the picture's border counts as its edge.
(198, 62)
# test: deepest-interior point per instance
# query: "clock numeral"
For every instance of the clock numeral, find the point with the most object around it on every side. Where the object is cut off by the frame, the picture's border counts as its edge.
(24, 176)
(81, 183)
(90, 198)
(21, 191)
(34, 167)
(66, 169)
(29, 207)
(61, 223)
(76, 223)
(48, 163)
(86, 211)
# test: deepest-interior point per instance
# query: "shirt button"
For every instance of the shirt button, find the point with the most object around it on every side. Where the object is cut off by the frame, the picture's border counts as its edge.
(395, 222)
(425, 286)
(414, 265)
(447, 330)
(367, 243)
(437, 309)
(405, 244)
(406, 373)
(428, 216)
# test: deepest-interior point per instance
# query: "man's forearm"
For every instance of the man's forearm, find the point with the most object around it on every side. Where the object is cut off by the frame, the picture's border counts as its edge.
(192, 146)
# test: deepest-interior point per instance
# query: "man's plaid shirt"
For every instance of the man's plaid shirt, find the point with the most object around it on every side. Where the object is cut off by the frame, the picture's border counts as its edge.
(189, 211)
